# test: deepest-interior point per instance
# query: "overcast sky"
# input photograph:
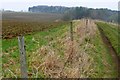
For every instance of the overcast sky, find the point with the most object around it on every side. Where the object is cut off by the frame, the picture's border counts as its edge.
(18, 5)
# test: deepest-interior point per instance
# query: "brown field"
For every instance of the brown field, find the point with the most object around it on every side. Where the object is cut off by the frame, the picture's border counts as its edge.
(14, 28)
(34, 17)
(14, 23)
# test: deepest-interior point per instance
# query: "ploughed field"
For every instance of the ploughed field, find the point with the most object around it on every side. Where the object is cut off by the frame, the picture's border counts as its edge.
(14, 23)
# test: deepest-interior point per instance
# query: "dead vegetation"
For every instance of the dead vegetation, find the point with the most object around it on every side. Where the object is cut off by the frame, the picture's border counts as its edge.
(75, 61)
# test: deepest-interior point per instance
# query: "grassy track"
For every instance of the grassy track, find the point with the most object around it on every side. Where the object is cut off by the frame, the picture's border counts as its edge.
(103, 65)
(112, 32)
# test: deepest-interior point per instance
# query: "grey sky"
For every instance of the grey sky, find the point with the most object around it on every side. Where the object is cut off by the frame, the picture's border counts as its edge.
(18, 5)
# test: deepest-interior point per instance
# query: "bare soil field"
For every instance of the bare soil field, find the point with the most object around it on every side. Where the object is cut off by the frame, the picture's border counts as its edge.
(33, 17)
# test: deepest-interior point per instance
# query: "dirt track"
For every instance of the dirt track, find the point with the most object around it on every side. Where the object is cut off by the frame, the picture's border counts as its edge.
(111, 50)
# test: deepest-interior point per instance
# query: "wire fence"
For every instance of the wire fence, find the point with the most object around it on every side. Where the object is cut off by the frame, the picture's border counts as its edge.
(48, 56)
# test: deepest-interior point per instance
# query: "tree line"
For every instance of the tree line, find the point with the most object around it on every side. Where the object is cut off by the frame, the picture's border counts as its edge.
(70, 13)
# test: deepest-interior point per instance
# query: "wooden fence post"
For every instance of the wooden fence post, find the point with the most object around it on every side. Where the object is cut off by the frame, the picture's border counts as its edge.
(71, 31)
(86, 23)
(86, 26)
(22, 57)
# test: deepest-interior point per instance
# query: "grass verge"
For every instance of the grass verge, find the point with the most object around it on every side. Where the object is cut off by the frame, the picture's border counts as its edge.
(112, 32)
